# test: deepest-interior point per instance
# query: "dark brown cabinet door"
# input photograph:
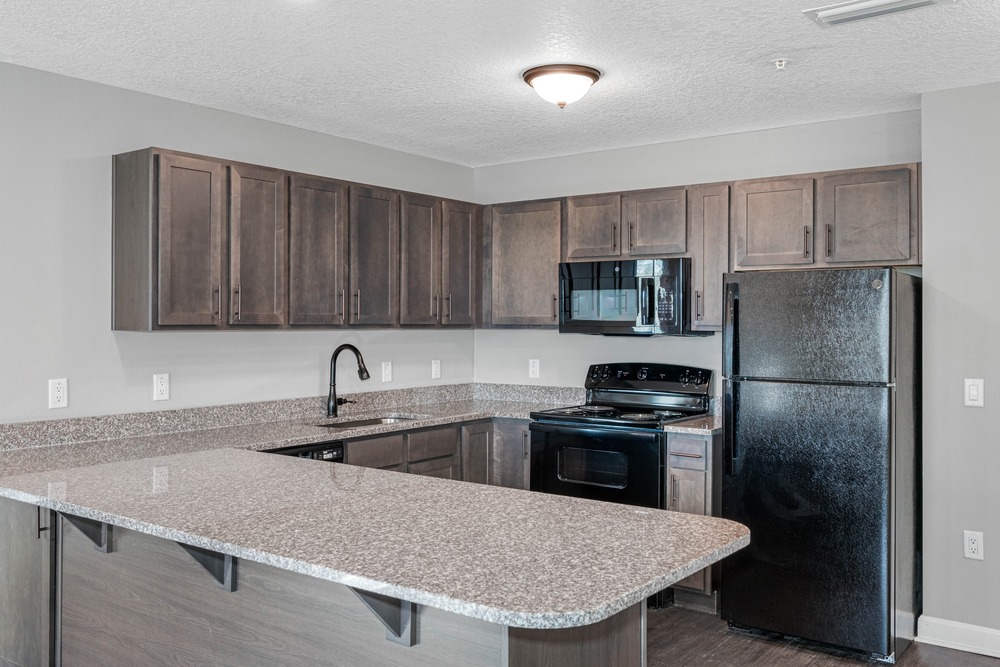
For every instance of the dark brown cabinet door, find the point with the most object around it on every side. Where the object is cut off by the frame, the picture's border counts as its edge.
(420, 260)
(510, 465)
(525, 256)
(773, 223)
(258, 252)
(709, 245)
(655, 222)
(477, 452)
(317, 249)
(190, 228)
(592, 227)
(27, 551)
(459, 246)
(374, 253)
(868, 216)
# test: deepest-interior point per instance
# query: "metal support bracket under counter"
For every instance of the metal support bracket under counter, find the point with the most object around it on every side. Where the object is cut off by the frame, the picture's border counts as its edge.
(398, 616)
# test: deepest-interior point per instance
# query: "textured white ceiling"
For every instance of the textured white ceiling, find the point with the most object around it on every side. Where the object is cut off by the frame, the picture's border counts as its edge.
(441, 78)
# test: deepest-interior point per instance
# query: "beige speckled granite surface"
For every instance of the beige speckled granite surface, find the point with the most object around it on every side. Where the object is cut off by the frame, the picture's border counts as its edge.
(502, 555)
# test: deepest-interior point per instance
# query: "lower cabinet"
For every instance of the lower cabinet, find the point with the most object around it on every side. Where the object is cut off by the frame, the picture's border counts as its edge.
(497, 453)
(434, 451)
(27, 555)
(692, 489)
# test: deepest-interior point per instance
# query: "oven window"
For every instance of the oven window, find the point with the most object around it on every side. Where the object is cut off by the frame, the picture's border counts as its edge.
(593, 466)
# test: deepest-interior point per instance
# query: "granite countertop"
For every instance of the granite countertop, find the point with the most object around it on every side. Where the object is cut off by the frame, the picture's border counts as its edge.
(287, 433)
(502, 555)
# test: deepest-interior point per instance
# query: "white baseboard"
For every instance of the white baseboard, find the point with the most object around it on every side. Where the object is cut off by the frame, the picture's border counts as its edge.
(960, 636)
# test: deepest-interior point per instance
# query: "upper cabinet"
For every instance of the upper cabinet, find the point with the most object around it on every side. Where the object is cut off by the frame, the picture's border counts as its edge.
(773, 223)
(591, 228)
(646, 223)
(317, 252)
(523, 241)
(869, 216)
(173, 241)
(709, 251)
(460, 225)
(848, 218)
(437, 261)
(655, 222)
(374, 251)
(258, 253)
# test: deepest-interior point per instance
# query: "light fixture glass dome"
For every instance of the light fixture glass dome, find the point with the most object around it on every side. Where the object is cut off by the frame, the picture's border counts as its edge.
(561, 84)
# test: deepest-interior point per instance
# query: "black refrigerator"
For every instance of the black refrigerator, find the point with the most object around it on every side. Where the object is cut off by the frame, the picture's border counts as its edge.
(822, 455)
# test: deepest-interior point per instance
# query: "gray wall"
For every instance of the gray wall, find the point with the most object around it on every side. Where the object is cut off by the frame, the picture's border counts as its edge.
(502, 356)
(57, 136)
(961, 181)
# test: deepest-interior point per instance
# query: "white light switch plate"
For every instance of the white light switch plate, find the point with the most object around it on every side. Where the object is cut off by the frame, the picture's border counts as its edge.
(435, 369)
(974, 392)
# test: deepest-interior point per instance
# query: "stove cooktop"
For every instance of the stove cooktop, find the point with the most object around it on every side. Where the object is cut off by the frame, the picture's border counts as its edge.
(611, 415)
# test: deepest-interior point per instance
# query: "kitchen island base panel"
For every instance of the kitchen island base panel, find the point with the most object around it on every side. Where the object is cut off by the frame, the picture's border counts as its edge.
(149, 602)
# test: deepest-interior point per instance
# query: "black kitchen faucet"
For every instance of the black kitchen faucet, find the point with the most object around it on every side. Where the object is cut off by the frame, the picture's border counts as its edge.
(332, 401)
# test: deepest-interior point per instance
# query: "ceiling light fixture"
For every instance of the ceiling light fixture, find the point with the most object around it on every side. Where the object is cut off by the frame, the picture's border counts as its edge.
(561, 84)
(856, 10)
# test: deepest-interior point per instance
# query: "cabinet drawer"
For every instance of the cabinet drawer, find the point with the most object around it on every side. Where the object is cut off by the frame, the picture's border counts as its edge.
(381, 452)
(687, 452)
(432, 444)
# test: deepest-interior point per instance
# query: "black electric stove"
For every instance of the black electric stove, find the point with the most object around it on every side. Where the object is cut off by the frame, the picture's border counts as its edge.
(636, 395)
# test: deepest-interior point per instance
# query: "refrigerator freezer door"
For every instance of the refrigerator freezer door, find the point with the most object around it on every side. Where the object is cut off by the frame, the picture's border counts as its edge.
(809, 325)
(811, 480)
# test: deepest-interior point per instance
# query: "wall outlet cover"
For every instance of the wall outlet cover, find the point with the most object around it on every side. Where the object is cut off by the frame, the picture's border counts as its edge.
(161, 387)
(435, 369)
(386, 371)
(58, 393)
(534, 368)
(973, 544)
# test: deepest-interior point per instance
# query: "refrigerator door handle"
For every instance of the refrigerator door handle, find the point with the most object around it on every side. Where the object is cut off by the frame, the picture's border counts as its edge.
(730, 331)
(729, 430)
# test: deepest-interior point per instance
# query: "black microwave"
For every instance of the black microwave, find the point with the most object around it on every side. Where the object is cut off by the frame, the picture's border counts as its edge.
(636, 297)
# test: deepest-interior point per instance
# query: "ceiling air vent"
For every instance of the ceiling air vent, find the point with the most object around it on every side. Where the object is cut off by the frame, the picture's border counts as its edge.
(857, 10)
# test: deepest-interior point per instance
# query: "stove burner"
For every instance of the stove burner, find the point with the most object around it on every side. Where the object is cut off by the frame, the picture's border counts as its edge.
(596, 409)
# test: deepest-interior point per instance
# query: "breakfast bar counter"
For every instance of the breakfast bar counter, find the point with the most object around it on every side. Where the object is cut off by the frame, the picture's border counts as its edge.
(504, 573)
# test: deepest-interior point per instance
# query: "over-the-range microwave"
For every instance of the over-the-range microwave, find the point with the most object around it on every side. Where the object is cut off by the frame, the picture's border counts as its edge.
(636, 297)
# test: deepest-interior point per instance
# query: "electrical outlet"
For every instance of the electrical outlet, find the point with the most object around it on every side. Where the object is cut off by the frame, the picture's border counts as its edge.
(435, 369)
(973, 392)
(386, 371)
(161, 478)
(534, 368)
(58, 393)
(973, 545)
(161, 387)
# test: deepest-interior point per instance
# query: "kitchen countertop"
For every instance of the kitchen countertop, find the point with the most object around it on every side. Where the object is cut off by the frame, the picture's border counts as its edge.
(286, 433)
(502, 555)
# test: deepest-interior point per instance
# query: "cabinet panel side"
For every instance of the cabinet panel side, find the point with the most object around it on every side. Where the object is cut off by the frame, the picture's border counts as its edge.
(132, 241)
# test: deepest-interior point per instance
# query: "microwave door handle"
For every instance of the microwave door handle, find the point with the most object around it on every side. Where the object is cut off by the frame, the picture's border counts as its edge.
(644, 301)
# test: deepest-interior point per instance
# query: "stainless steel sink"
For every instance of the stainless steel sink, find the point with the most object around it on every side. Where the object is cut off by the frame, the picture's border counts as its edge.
(366, 422)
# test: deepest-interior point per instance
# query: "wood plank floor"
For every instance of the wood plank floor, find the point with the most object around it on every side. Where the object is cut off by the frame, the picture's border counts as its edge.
(678, 636)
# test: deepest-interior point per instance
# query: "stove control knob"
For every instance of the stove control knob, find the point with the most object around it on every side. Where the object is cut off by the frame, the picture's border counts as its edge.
(641, 375)
(606, 373)
(595, 373)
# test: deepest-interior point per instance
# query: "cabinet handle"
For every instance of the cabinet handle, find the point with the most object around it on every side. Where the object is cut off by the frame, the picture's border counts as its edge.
(614, 236)
(449, 306)
(218, 302)
(435, 309)
(357, 312)
(555, 307)
(697, 305)
(343, 305)
(686, 455)
(673, 492)
(524, 443)
(829, 240)
(805, 241)
(629, 234)
(239, 302)
(38, 523)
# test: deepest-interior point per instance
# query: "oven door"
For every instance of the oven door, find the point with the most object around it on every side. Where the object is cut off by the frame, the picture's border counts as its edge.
(600, 463)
